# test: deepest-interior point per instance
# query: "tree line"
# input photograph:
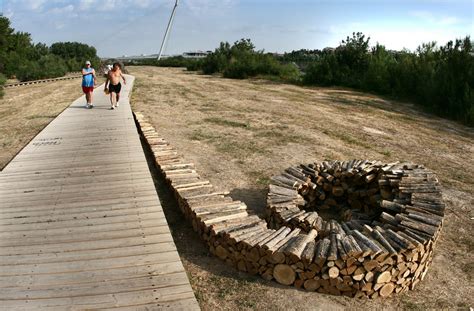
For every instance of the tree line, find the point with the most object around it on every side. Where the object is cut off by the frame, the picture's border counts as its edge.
(439, 79)
(22, 59)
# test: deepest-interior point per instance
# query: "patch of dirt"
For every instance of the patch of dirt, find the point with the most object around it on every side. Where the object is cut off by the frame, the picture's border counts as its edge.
(240, 133)
(26, 110)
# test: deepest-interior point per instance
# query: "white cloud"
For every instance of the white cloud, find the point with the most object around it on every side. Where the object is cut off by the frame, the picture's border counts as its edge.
(86, 4)
(35, 5)
(117, 5)
(203, 7)
(431, 18)
(62, 10)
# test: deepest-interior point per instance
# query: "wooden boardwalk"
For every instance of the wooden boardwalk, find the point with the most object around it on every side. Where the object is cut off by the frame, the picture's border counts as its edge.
(81, 225)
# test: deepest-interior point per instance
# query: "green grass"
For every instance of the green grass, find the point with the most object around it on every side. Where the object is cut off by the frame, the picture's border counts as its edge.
(239, 149)
(259, 177)
(36, 116)
(225, 122)
(409, 305)
(202, 135)
(348, 139)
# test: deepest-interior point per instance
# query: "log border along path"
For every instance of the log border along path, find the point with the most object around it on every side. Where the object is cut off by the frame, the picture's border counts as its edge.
(81, 225)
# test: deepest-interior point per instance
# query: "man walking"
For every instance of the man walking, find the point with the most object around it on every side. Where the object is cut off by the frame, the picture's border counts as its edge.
(114, 87)
(88, 82)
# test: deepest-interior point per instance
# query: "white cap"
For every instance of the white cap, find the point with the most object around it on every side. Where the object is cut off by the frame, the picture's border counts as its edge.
(88, 62)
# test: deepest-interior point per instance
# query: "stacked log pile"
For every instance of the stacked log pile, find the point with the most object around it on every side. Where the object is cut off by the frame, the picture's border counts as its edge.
(388, 252)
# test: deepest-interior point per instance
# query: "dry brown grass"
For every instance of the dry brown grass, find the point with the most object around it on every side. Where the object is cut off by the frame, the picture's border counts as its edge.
(239, 133)
(26, 110)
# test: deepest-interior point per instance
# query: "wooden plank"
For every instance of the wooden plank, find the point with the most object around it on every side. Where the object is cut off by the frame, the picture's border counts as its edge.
(82, 245)
(98, 302)
(43, 258)
(81, 277)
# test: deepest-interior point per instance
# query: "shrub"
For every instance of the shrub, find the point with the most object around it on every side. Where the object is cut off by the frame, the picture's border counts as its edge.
(439, 79)
(2, 82)
(48, 66)
(241, 60)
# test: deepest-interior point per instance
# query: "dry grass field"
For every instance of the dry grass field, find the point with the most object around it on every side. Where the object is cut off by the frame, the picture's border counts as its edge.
(240, 133)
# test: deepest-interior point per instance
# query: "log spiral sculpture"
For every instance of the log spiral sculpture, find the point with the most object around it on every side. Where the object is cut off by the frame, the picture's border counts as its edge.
(354, 228)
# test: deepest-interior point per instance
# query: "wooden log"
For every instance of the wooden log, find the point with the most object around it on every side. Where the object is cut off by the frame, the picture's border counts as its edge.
(205, 196)
(430, 230)
(227, 224)
(392, 206)
(275, 239)
(281, 231)
(283, 181)
(337, 191)
(379, 237)
(297, 174)
(332, 252)
(284, 274)
(340, 248)
(368, 242)
(251, 241)
(293, 233)
(406, 244)
(389, 219)
(435, 199)
(383, 277)
(308, 253)
(218, 217)
(348, 247)
(415, 236)
(359, 274)
(242, 234)
(275, 189)
(430, 208)
(322, 249)
(411, 240)
(366, 250)
(212, 204)
(312, 284)
(333, 272)
(186, 184)
(223, 208)
(422, 212)
(228, 233)
(221, 252)
(387, 290)
(300, 181)
(279, 199)
(293, 216)
(395, 245)
(355, 247)
(294, 249)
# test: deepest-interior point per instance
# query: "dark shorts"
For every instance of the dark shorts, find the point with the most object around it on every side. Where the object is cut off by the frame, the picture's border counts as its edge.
(115, 88)
(88, 89)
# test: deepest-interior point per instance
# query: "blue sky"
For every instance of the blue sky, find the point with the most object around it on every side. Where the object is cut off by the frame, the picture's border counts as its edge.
(127, 27)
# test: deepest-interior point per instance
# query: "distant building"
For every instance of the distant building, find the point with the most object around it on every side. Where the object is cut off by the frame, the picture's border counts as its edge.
(195, 54)
(329, 50)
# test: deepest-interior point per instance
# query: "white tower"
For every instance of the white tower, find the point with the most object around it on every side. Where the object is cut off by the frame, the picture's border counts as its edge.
(168, 29)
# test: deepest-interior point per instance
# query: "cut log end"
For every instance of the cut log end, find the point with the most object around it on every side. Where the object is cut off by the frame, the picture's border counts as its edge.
(284, 274)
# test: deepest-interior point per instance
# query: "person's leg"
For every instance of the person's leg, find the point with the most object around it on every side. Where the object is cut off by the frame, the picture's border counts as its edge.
(87, 99)
(90, 98)
(112, 97)
(117, 100)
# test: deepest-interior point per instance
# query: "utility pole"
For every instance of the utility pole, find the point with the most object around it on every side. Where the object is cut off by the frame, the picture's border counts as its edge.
(168, 29)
